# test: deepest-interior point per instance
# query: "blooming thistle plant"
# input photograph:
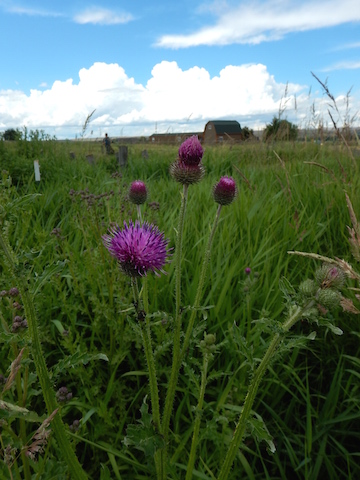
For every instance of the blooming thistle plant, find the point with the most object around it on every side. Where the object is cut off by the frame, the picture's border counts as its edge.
(142, 248)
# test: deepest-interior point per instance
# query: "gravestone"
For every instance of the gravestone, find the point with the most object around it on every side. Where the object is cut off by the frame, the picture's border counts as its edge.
(123, 155)
(37, 170)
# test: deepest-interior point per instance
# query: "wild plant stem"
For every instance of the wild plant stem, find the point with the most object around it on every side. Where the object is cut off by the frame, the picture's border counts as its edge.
(200, 287)
(149, 355)
(65, 447)
(176, 363)
(195, 439)
(21, 399)
(138, 210)
(251, 395)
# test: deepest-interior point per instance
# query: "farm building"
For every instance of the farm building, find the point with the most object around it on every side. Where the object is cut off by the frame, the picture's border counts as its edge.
(218, 131)
(171, 138)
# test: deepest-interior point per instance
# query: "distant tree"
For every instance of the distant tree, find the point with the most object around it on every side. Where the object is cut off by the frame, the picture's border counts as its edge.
(247, 133)
(280, 130)
(12, 134)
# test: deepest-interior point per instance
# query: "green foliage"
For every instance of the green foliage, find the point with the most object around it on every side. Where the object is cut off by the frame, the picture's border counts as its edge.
(309, 401)
(280, 130)
(11, 134)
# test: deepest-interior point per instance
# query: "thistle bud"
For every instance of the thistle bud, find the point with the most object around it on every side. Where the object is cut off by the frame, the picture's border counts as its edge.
(225, 191)
(208, 344)
(308, 288)
(328, 276)
(63, 395)
(188, 168)
(329, 298)
(138, 192)
(210, 339)
(13, 292)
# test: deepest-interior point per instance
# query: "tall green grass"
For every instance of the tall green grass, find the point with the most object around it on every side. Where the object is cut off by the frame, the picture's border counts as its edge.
(309, 400)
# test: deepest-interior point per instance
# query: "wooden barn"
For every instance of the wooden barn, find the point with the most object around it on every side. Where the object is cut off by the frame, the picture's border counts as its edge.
(219, 131)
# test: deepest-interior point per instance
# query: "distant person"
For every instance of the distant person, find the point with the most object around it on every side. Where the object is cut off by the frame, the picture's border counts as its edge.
(107, 144)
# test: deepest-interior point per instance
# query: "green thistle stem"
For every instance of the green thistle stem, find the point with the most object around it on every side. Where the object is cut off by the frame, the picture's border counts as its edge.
(177, 329)
(200, 287)
(253, 388)
(194, 443)
(57, 425)
(149, 355)
(138, 210)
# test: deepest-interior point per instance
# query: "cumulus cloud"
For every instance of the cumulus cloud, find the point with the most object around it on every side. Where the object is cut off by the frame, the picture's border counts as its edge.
(268, 20)
(173, 99)
(102, 16)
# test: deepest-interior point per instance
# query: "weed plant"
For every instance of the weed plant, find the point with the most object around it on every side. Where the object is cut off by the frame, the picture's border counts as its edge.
(290, 198)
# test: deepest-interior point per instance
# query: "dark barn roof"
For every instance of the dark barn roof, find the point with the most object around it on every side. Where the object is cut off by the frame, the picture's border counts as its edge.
(226, 126)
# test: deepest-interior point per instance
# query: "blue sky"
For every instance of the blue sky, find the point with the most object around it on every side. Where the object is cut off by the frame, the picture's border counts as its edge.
(172, 66)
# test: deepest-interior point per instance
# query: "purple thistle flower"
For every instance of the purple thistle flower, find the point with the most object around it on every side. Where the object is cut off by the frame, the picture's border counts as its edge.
(247, 270)
(137, 248)
(188, 168)
(191, 151)
(225, 191)
(138, 192)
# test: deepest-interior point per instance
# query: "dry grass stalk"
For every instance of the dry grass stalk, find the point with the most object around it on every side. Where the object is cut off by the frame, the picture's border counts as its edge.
(327, 170)
(346, 125)
(244, 178)
(40, 438)
(288, 189)
(15, 367)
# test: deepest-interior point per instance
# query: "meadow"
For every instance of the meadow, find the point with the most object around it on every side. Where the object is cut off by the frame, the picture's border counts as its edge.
(291, 197)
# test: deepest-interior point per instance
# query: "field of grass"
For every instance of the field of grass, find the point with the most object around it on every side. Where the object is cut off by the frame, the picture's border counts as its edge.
(291, 197)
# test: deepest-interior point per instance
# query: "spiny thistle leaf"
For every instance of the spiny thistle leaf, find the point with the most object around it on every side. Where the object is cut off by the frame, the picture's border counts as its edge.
(259, 430)
(143, 435)
(9, 410)
(286, 288)
(75, 359)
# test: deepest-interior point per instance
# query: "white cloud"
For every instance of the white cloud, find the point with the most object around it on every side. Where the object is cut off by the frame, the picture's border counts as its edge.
(173, 99)
(344, 65)
(268, 20)
(102, 16)
(347, 46)
(32, 12)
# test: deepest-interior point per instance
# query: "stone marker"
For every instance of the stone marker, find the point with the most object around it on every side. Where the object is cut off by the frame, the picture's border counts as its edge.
(123, 155)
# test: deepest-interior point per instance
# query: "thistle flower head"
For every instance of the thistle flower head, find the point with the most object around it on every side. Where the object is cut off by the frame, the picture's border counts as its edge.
(191, 152)
(137, 248)
(328, 276)
(188, 168)
(225, 191)
(138, 192)
(186, 175)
